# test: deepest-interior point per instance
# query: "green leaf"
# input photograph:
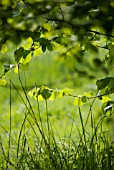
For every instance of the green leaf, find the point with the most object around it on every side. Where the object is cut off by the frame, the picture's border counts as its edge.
(44, 41)
(60, 93)
(38, 51)
(109, 45)
(67, 91)
(46, 93)
(56, 94)
(29, 43)
(16, 69)
(50, 47)
(43, 48)
(84, 99)
(34, 93)
(18, 54)
(31, 92)
(111, 52)
(40, 93)
(78, 101)
(105, 99)
(4, 48)
(26, 52)
(35, 36)
(110, 90)
(2, 82)
(27, 59)
(81, 100)
(88, 94)
(101, 84)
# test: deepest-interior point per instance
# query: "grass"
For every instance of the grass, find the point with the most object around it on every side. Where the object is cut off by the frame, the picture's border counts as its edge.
(52, 135)
(37, 143)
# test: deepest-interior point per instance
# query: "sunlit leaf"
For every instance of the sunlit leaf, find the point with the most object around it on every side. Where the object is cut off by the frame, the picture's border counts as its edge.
(88, 94)
(32, 92)
(27, 59)
(28, 44)
(66, 30)
(2, 82)
(47, 26)
(39, 98)
(81, 100)
(78, 101)
(38, 51)
(4, 48)
(53, 95)
(29, 40)
(105, 99)
(58, 94)
(48, 93)
(16, 69)
(42, 93)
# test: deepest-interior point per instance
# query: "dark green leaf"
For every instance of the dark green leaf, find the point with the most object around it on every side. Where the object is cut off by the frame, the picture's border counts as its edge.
(35, 36)
(26, 52)
(43, 48)
(18, 54)
(111, 52)
(84, 99)
(44, 41)
(46, 93)
(50, 47)
(101, 84)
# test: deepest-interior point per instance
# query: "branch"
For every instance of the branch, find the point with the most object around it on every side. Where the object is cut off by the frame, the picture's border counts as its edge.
(92, 97)
(79, 26)
(99, 33)
(61, 13)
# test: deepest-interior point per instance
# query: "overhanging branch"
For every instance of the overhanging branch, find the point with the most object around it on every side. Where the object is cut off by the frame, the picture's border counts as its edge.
(79, 27)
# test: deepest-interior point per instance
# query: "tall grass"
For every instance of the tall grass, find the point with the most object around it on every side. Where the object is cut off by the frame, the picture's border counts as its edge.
(37, 147)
